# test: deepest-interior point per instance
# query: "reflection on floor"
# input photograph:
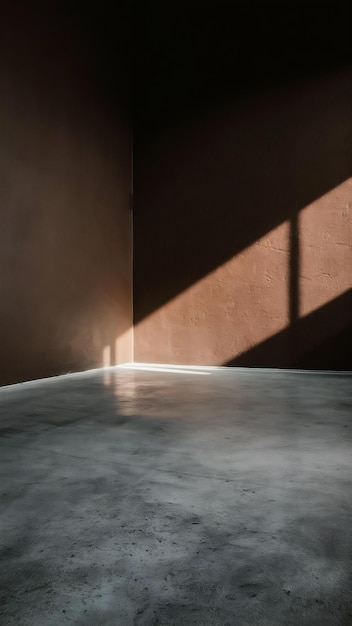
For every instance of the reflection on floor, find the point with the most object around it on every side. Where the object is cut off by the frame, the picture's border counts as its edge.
(133, 497)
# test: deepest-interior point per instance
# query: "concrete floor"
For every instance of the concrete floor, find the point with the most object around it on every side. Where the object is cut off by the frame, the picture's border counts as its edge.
(213, 497)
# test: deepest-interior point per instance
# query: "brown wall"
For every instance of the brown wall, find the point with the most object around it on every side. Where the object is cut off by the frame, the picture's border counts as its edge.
(243, 230)
(65, 233)
(242, 237)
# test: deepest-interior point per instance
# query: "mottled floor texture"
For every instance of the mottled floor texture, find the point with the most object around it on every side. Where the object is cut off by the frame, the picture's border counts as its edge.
(212, 497)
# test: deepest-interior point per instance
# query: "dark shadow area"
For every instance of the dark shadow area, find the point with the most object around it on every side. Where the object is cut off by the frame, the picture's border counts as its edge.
(190, 55)
(321, 340)
(103, 36)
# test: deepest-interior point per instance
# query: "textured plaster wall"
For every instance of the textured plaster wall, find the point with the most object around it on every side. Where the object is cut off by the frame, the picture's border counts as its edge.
(249, 215)
(65, 234)
(242, 223)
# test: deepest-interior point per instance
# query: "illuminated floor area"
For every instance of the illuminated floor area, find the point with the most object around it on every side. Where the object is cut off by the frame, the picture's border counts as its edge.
(208, 497)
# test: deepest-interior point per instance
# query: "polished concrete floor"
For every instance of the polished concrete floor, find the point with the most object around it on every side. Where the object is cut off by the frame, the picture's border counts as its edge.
(208, 497)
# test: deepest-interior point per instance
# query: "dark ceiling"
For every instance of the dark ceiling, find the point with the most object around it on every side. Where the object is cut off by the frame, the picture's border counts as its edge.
(163, 58)
(187, 53)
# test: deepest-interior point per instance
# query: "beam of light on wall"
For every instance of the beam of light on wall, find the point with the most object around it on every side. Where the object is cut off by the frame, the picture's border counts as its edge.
(298, 267)
(119, 351)
(106, 356)
(292, 271)
(325, 243)
(230, 310)
(124, 347)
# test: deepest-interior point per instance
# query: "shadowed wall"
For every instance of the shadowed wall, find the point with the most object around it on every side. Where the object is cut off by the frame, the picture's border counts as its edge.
(65, 236)
(243, 153)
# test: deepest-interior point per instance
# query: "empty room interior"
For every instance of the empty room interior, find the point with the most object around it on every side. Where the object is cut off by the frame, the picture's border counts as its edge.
(175, 313)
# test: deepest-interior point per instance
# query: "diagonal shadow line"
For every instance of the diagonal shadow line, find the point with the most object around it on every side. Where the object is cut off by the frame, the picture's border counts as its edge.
(214, 187)
(203, 200)
(320, 340)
